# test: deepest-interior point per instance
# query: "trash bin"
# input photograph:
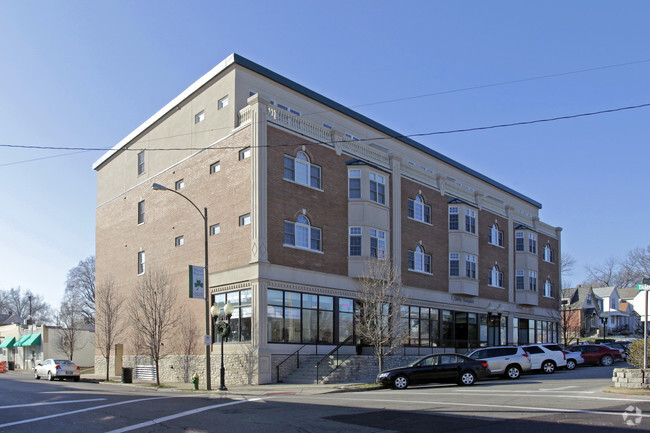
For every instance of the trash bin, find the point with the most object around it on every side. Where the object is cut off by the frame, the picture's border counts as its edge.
(11, 365)
(127, 375)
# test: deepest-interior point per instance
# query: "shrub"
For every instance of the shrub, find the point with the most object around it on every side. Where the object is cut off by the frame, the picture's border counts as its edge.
(635, 352)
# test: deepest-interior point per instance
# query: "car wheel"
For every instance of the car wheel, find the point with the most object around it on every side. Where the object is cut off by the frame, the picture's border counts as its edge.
(36, 376)
(400, 382)
(513, 372)
(467, 378)
(49, 376)
(570, 364)
(607, 360)
(548, 367)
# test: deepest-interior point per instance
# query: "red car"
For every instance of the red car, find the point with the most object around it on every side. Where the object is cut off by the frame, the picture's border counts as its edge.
(595, 354)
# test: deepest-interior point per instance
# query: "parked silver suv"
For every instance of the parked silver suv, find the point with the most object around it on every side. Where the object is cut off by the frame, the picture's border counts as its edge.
(509, 361)
(546, 357)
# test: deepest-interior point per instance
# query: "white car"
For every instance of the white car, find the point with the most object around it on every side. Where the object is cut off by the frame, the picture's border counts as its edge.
(546, 357)
(573, 359)
(57, 369)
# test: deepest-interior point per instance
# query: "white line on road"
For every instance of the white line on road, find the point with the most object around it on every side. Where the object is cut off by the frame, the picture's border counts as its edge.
(178, 415)
(558, 389)
(25, 421)
(50, 402)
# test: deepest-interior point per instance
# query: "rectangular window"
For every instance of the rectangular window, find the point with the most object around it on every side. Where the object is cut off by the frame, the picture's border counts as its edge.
(141, 212)
(377, 244)
(519, 280)
(140, 262)
(315, 239)
(470, 221)
(289, 168)
(289, 233)
(355, 241)
(354, 184)
(453, 218)
(532, 243)
(519, 241)
(140, 162)
(245, 153)
(180, 184)
(377, 188)
(199, 117)
(179, 241)
(454, 264)
(470, 266)
(215, 229)
(532, 279)
(245, 220)
(314, 176)
(223, 102)
(215, 167)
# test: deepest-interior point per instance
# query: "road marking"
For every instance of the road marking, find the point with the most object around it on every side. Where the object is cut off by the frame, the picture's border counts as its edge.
(178, 415)
(25, 421)
(52, 402)
(588, 397)
(499, 406)
(558, 389)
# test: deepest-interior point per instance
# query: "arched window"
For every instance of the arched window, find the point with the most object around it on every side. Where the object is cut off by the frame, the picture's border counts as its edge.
(419, 261)
(495, 236)
(549, 254)
(302, 171)
(419, 211)
(301, 234)
(495, 277)
(548, 289)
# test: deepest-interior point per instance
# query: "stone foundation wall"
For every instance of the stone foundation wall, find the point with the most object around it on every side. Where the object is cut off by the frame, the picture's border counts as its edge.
(631, 378)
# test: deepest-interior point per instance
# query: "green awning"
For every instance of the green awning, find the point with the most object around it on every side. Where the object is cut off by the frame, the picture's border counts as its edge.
(7, 343)
(29, 340)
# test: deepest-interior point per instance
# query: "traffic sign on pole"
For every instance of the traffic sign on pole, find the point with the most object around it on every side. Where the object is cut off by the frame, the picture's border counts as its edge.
(645, 287)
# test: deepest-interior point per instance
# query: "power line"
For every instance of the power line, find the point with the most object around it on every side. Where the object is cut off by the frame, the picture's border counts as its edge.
(44, 157)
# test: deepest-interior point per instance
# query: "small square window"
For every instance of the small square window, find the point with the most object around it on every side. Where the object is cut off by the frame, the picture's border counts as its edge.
(215, 167)
(245, 220)
(180, 184)
(179, 241)
(199, 117)
(215, 229)
(245, 153)
(223, 102)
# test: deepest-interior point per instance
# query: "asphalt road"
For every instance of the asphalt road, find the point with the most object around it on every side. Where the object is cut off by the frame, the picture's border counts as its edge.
(564, 401)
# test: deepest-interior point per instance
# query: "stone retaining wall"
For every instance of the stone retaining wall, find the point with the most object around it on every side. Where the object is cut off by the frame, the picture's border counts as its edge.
(631, 378)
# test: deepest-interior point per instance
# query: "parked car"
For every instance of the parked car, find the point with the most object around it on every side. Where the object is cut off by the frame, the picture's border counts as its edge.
(436, 368)
(546, 357)
(621, 346)
(595, 354)
(573, 359)
(509, 361)
(57, 369)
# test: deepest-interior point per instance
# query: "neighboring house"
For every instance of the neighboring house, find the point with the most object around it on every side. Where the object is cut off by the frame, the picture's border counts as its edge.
(631, 321)
(616, 320)
(637, 299)
(578, 310)
(302, 193)
(25, 346)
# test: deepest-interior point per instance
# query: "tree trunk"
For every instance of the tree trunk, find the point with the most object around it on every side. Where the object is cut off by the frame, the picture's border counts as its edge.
(108, 363)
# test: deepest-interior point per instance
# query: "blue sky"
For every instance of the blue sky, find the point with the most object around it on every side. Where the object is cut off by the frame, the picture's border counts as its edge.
(85, 74)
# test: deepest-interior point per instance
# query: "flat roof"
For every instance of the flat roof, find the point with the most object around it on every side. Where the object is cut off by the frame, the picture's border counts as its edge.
(273, 76)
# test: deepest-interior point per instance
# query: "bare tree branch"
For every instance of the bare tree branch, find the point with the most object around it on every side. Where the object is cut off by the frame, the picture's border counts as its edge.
(109, 325)
(71, 321)
(80, 286)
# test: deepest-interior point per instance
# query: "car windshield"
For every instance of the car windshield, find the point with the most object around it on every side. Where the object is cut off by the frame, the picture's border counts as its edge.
(62, 361)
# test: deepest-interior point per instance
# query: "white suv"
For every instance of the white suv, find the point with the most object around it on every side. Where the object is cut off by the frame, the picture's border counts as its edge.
(509, 361)
(546, 357)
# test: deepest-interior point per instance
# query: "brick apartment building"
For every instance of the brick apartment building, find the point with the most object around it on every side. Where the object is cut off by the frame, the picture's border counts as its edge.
(301, 191)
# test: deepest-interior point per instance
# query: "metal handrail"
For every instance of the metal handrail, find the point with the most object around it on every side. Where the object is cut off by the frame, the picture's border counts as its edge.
(277, 367)
(332, 352)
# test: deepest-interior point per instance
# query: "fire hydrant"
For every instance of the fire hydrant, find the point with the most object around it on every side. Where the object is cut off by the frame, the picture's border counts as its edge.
(195, 380)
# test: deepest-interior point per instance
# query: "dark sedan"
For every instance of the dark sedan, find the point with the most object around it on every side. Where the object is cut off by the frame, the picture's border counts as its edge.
(436, 369)
(595, 354)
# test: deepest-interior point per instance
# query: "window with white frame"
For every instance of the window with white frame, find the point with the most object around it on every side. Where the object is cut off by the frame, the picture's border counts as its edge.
(215, 167)
(532, 243)
(377, 244)
(245, 153)
(245, 220)
(215, 229)
(519, 241)
(495, 277)
(548, 289)
(470, 221)
(354, 184)
(613, 304)
(454, 264)
(302, 171)
(199, 117)
(140, 162)
(141, 212)
(589, 298)
(495, 236)
(355, 241)
(470, 266)
(140, 262)
(179, 241)
(549, 254)
(532, 280)
(419, 261)
(222, 103)
(378, 188)
(419, 211)
(180, 184)
(300, 234)
(453, 218)
(519, 280)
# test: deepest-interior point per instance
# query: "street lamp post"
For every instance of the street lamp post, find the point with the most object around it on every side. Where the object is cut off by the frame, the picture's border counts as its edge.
(206, 289)
(604, 318)
(215, 311)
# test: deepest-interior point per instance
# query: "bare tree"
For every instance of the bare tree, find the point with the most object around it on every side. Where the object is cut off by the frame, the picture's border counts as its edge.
(109, 325)
(26, 305)
(187, 343)
(154, 314)
(619, 273)
(637, 265)
(379, 323)
(567, 265)
(569, 324)
(71, 321)
(80, 285)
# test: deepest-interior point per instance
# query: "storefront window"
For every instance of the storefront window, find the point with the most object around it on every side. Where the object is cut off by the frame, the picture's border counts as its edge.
(240, 320)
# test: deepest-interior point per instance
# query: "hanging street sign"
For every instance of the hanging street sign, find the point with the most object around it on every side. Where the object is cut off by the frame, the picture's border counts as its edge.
(197, 282)
(643, 287)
